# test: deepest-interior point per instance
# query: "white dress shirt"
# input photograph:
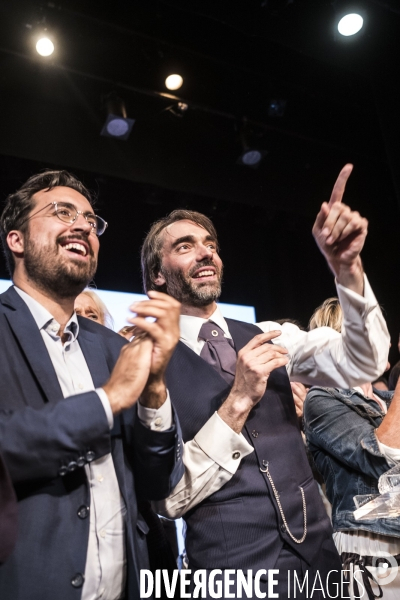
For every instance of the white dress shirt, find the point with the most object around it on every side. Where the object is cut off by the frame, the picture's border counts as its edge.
(318, 357)
(105, 568)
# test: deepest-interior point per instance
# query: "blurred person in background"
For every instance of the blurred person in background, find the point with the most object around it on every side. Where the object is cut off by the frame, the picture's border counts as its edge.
(89, 304)
(354, 438)
(329, 314)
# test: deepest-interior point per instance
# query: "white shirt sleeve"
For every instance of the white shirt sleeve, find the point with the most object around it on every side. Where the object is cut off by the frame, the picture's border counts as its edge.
(210, 460)
(325, 357)
(391, 453)
(106, 405)
(322, 356)
(159, 419)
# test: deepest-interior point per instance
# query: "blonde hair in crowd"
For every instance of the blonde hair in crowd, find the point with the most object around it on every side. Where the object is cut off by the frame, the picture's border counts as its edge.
(105, 316)
(329, 314)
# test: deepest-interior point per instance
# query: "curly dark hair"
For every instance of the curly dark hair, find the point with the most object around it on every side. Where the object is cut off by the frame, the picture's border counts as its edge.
(20, 203)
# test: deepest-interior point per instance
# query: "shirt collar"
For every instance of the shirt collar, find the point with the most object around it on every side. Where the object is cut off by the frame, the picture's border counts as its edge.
(45, 320)
(190, 326)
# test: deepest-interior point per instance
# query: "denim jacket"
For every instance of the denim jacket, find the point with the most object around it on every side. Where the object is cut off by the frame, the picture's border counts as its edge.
(340, 429)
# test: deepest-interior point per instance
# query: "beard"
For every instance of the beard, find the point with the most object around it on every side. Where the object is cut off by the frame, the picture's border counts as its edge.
(184, 289)
(54, 273)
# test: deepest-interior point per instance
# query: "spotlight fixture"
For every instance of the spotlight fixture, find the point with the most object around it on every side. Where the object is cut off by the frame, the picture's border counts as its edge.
(251, 157)
(174, 82)
(350, 24)
(117, 124)
(179, 109)
(252, 154)
(277, 107)
(44, 46)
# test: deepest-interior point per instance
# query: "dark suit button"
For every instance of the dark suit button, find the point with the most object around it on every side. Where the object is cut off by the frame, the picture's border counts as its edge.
(254, 433)
(283, 528)
(83, 511)
(72, 465)
(63, 471)
(90, 456)
(81, 461)
(77, 580)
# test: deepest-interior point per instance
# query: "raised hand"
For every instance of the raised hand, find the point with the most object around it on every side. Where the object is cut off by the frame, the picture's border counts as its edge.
(164, 333)
(130, 374)
(255, 363)
(340, 234)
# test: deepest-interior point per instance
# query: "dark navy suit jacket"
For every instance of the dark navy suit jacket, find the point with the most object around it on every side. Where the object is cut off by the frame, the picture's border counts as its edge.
(46, 440)
(8, 513)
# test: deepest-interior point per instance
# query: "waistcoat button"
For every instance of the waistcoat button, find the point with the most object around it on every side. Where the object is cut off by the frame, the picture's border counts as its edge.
(83, 511)
(77, 580)
(283, 528)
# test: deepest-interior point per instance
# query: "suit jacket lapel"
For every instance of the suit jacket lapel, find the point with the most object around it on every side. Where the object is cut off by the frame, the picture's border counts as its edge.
(94, 355)
(30, 340)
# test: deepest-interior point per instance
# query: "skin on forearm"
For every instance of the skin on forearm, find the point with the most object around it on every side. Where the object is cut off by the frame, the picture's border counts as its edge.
(350, 276)
(388, 432)
(235, 411)
(154, 394)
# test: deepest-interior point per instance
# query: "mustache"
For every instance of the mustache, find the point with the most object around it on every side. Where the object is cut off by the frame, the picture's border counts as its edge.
(207, 262)
(77, 237)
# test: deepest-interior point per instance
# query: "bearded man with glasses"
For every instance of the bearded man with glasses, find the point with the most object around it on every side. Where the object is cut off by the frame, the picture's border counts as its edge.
(80, 449)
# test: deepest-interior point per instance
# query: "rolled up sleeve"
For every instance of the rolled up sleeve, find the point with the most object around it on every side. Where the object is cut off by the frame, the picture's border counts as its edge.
(325, 357)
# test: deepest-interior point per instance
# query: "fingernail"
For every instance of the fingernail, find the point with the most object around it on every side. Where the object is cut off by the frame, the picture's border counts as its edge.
(325, 231)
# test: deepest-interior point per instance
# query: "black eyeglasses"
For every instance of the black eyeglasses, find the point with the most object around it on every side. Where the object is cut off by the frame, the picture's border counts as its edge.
(68, 214)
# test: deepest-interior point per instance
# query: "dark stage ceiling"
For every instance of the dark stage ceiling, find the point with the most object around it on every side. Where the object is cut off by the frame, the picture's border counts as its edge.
(236, 57)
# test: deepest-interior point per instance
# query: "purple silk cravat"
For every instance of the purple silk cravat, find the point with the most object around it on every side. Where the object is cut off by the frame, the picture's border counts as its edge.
(218, 351)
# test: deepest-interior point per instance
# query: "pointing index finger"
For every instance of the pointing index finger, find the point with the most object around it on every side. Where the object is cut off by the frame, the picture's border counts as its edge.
(340, 184)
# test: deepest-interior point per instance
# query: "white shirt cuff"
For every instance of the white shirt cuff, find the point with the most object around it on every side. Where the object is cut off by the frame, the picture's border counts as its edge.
(350, 301)
(106, 405)
(159, 419)
(222, 444)
(391, 453)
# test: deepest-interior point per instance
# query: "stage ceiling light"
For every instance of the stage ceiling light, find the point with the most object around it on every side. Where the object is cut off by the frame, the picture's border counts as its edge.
(350, 24)
(174, 82)
(117, 124)
(276, 108)
(251, 157)
(44, 46)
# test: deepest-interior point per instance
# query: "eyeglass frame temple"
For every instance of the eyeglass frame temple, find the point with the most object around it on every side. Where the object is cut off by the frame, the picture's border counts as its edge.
(78, 212)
